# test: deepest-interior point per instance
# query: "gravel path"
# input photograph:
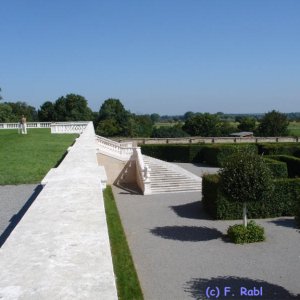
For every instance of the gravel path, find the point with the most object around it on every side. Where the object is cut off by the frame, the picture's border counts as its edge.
(14, 202)
(179, 251)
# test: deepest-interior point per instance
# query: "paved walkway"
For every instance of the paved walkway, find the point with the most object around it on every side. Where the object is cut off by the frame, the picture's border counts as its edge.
(179, 251)
(15, 200)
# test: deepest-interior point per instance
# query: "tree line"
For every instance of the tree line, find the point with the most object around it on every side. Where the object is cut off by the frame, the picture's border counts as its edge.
(113, 119)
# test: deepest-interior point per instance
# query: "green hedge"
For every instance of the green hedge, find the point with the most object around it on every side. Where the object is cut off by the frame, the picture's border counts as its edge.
(174, 152)
(279, 148)
(293, 164)
(282, 203)
(278, 168)
(215, 155)
(211, 154)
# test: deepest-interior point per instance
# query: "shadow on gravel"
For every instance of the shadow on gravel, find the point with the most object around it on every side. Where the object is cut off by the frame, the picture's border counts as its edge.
(15, 219)
(187, 233)
(291, 223)
(200, 288)
(192, 210)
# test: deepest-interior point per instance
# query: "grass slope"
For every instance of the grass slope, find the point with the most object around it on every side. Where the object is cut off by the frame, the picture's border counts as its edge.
(127, 281)
(28, 158)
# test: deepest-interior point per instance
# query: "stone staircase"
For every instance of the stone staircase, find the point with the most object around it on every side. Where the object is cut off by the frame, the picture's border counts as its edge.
(170, 178)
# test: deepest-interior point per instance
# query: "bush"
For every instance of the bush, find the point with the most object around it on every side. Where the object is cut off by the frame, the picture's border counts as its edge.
(278, 168)
(293, 164)
(240, 234)
(283, 203)
(174, 152)
(279, 148)
(216, 154)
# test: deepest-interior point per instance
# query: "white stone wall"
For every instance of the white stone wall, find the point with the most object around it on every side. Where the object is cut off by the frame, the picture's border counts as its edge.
(60, 249)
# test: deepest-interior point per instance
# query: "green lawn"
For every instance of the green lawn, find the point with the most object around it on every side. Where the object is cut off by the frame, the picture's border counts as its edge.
(28, 158)
(126, 278)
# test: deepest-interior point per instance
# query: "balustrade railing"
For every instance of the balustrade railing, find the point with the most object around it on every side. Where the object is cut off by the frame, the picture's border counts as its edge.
(29, 125)
(143, 172)
(122, 150)
(68, 127)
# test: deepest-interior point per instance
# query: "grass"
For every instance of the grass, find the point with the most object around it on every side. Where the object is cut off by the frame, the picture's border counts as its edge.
(28, 158)
(294, 128)
(126, 277)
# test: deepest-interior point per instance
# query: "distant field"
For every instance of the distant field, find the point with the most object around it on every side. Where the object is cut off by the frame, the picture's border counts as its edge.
(294, 128)
(28, 158)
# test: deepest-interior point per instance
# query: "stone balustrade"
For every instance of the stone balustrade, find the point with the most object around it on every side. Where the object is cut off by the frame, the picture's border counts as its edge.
(68, 127)
(121, 151)
(210, 140)
(29, 125)
(143, 172)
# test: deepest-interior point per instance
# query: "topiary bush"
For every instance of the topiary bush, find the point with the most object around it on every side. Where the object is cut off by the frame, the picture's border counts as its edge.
(240, 234)
(246, 178)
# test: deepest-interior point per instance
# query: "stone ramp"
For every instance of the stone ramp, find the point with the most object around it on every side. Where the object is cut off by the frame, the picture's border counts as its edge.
(60, 249)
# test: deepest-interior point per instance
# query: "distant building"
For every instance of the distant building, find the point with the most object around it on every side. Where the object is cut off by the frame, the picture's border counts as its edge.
(242, 134)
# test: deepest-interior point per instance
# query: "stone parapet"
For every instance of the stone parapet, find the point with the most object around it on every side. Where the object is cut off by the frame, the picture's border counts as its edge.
(60, 249)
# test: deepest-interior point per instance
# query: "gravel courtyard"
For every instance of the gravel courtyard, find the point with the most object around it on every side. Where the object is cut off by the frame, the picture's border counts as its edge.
(181, 253)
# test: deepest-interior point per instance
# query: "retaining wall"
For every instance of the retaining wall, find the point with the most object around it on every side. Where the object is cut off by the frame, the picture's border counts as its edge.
(60, 249)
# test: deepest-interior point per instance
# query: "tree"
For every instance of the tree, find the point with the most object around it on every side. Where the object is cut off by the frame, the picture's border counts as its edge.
(72, 107)
(155, 117)
(6, 113)
(203, 125)
(169, 132)
(113, 109)
(0, 95)
(245, 178)
(247, 124)
(139, 126)
(273, 123)
(46, 112)
(188, 115)
(20, 108)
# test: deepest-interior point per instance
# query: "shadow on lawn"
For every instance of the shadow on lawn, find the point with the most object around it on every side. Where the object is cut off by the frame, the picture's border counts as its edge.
(198, 288)
(15, 219)
(193, 210)
(187, 233)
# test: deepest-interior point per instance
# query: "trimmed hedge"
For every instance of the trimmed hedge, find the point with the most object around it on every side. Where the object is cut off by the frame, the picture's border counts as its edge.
(282, 203)
(278, 168)
(279, 149)
(293, 164)
(211, 154)
(216, 154)
(174, 152)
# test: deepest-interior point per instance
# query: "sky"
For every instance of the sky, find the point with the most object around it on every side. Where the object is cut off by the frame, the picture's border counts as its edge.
(156, 56)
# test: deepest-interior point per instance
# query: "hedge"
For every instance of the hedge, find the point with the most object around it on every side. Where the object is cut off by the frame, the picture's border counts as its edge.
(193, 153)
(279, 148)
(293, 164)
(278, 168)
(174, 152)
(215, 155)
(282, 203)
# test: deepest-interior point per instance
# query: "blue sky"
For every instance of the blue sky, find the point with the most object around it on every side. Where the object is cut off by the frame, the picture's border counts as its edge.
(161, 56)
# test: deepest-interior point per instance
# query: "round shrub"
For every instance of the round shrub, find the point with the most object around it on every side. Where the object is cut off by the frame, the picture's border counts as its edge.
(240, 234)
